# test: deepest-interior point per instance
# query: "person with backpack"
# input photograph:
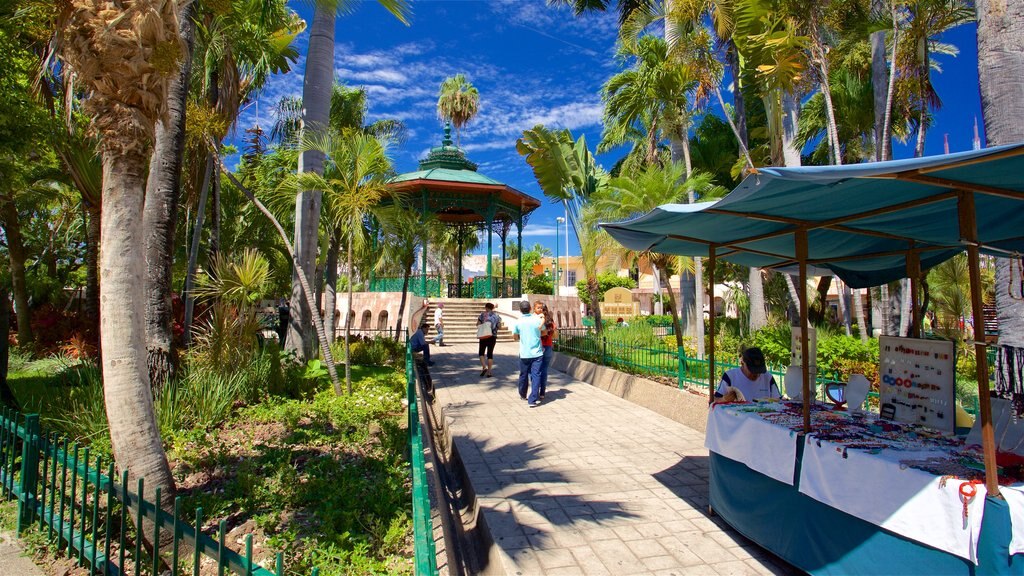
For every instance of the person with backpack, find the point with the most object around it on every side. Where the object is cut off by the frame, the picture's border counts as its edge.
(547, 341)
(487, 331)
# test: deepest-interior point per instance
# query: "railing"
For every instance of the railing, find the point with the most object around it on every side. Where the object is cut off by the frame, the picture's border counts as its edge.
(366, 333)
(498, 287)
(423, 532)
(463, 290)
(95, 520)
(658, 360)
(415, 285)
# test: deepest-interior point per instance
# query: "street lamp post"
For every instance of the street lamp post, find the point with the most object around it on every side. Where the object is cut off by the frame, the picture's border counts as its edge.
(554, 282)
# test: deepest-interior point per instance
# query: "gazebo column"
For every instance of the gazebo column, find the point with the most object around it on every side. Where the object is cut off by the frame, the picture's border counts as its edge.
(519, 253)
(490, 252)
(423, 254)
(504, 231)
(458, 287)
(969, 235)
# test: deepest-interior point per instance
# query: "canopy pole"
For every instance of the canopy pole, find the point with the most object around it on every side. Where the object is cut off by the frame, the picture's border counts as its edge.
(969, 234)
(711, 324)
(801, 257)
(914, 273)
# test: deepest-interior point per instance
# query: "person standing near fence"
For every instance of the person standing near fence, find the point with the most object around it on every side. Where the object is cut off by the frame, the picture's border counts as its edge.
(547, 342)
(487, 332)
(439, 324)
(527, 332)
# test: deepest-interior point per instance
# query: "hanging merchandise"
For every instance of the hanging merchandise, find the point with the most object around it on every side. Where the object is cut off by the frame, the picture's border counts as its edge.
(1010, 376)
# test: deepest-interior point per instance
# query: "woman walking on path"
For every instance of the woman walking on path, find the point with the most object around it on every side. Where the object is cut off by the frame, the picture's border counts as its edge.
(487, 331)
(547, 341)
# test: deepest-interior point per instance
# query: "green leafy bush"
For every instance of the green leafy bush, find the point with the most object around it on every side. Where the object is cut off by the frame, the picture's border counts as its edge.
(774, 342)
(378, 351)
(605, 282)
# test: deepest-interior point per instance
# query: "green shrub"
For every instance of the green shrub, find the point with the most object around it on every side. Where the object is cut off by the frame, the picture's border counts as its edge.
(774, 342)
(19, 358)
(378, 351)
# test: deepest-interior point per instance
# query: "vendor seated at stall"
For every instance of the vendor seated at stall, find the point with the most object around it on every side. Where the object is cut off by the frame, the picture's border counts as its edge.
(751, 380)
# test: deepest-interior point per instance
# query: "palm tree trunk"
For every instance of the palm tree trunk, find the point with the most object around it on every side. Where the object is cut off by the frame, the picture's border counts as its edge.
(331, 290)
(844, 315)
(92, 275)
(886, 309)
(790, 118)
(890, 93)
(833, 127)
(401, 304)
(6, 394)
(316, 98)
(215, 216)
(134, 435)
(858, 313)
(160, 213)
(193, 252)
(348, 321)
(878, 77)
(17, 256)
(1001, 72)
(738, 99)
(905, 304)
(325, 349)
(758, 312)
(672, 310)
(735, 131)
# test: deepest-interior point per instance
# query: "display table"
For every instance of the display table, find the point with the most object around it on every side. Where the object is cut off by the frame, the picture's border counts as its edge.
(869, 496)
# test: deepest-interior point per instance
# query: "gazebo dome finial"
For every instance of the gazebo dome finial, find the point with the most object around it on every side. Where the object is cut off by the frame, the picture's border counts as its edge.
(447, 135)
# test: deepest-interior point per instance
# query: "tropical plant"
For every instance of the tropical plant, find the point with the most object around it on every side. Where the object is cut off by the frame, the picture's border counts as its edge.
(458, 102)
(354, 183)
(568, 172)
(122, 56)
(402, 231)
(316, 98)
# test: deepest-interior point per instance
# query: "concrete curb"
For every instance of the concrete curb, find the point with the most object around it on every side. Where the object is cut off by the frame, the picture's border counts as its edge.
(679, 405)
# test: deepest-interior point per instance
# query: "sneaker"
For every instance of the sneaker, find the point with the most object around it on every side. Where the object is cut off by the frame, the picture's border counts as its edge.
(535, 403)
(521, 397)
(490, 374)
(483, 373)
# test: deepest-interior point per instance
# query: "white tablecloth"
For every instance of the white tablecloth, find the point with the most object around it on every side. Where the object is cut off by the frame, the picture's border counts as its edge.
(907, 501)
(747, 438)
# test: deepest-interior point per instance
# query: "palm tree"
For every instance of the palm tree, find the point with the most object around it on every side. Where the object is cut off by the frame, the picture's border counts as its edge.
(626, 198)
(568, 172)
(458, 102)
(924, 20)
(122, 58)
(316, 97)
(403, 231)
(1001, 71)
(354, 182)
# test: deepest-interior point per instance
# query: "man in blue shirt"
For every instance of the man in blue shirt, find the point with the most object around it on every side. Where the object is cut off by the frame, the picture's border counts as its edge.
(527, 332)
(418, 341)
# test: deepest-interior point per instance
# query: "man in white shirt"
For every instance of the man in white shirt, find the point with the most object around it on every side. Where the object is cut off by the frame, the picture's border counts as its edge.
(751, 379)
(439, 324)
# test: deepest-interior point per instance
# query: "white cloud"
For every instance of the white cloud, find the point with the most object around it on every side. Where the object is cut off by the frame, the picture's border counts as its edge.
(385, 75)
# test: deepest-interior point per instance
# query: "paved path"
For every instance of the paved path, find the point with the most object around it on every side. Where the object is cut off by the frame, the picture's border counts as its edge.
(586, 483)
(12, 560)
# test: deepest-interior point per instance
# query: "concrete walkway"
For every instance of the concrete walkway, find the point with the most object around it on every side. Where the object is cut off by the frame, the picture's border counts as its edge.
(12, 559)
(587, 483)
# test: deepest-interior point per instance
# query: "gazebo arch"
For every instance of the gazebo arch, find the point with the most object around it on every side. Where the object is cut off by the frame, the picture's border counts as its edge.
(448, 186)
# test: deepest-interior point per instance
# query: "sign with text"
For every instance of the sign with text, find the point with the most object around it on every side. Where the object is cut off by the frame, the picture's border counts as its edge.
(918, 381)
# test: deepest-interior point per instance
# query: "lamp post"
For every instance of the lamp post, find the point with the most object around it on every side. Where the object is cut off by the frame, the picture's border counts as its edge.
(554, 283)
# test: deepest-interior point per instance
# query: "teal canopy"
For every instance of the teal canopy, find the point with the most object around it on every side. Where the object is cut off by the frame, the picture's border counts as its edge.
(861, 220)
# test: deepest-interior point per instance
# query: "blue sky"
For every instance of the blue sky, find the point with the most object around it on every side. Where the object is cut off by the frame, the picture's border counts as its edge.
(533, 64)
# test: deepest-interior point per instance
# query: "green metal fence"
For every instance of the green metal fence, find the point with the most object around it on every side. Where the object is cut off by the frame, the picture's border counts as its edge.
(423, 529)
(92, 517)
(657, 360)
(415, 285)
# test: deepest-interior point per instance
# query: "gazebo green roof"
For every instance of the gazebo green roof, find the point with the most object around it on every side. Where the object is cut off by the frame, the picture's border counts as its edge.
(453, 190)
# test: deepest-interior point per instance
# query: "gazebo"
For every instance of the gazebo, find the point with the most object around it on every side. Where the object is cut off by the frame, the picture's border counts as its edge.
(448, 186)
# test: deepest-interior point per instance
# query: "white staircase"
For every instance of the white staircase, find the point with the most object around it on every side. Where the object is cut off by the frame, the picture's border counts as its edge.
(460, 316)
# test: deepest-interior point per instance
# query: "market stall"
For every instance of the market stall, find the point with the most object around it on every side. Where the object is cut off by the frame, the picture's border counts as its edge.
(876, 493)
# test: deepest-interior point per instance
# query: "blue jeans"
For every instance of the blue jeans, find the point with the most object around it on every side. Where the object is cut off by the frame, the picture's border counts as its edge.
(529, 369)
(544, 365)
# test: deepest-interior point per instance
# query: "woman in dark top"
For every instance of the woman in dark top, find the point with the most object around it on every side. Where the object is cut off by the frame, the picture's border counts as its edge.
(486, 348)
